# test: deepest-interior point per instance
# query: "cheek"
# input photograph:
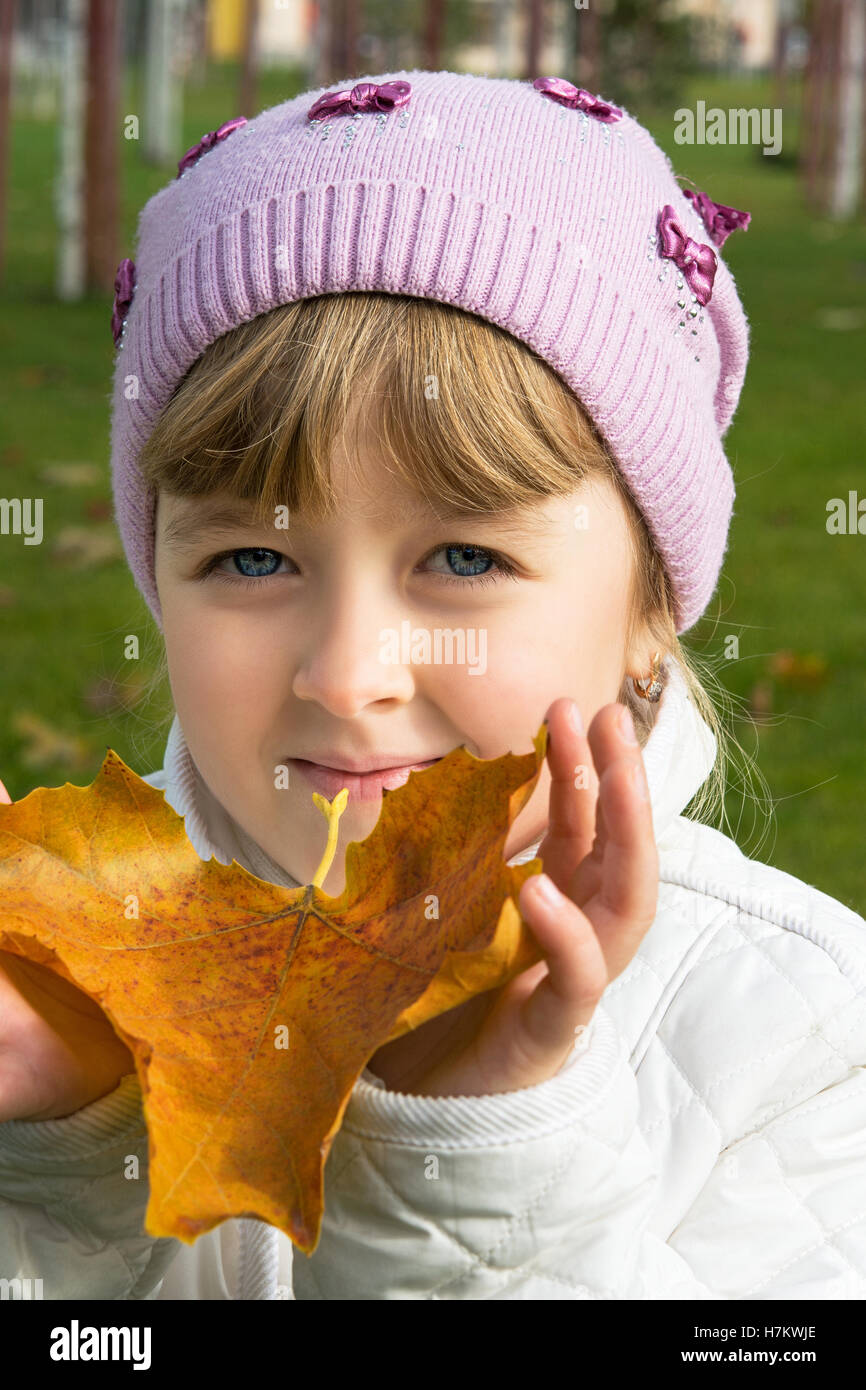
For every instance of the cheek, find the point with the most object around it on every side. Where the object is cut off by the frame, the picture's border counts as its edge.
(565, 645)
(587, 622)
(227, 675)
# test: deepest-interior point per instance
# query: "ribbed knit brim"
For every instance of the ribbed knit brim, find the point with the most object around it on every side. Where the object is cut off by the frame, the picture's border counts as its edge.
(482, 193)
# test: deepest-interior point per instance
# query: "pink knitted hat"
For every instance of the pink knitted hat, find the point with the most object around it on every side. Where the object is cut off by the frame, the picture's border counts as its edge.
(536, 206)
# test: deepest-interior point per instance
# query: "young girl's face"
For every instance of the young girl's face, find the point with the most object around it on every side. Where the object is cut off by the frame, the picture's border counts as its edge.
(319, 643)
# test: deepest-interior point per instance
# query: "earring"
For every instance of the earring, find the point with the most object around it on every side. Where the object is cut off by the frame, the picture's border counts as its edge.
(649, 688)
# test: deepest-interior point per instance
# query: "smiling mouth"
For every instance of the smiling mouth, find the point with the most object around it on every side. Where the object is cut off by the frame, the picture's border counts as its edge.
(362, 786)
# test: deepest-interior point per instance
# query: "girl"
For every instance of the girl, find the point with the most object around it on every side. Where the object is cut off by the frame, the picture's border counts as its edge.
(446, 354)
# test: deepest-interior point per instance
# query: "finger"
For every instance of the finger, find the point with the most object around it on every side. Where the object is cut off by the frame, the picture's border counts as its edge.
(607, 737)
(576, 977)
(5, 798)
(576, 866)
(573, 794)
(612, 736)
(624, 906)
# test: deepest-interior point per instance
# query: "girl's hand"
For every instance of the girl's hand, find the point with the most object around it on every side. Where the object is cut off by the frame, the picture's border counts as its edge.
(58, 1051)
(600, 853)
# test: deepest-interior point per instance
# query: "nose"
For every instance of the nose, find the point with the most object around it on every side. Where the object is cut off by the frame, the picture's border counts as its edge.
(341, 667)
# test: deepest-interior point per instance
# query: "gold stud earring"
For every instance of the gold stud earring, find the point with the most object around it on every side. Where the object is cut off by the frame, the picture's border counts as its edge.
(650, 687)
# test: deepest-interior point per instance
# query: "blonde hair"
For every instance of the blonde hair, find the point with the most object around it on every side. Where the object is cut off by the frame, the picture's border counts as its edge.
(258, 413)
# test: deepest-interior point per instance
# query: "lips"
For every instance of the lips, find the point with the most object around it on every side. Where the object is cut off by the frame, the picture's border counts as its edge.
(362, 786)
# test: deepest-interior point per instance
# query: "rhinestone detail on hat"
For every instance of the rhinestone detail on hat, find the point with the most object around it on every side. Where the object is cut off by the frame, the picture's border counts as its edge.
(351, 130)
(585, 123)
(689, 314)
(326, 125)
(124, 293)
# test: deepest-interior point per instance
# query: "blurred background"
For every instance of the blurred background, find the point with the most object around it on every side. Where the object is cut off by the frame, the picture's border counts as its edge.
(99, 100)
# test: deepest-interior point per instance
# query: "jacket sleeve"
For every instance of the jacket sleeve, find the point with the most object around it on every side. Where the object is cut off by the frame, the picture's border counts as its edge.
(73, 1194)
(541, 1193)
(783, 1212)
(552, 1193)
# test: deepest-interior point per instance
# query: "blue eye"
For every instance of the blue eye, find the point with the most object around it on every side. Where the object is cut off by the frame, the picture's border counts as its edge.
(469, 555)
(472, 565)
(253, 566)
(258, 560)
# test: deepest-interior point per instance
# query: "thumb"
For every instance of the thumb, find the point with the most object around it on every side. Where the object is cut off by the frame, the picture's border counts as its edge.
(4, 795)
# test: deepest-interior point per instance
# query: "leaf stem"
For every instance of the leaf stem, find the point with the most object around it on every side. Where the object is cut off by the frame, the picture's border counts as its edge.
(332, 811)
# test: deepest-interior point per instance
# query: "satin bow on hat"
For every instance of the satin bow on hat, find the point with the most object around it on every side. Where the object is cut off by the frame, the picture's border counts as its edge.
(207, 142)
(719, 220)
(696, 261)
(364, 96)
(558, 89)
(124, 289)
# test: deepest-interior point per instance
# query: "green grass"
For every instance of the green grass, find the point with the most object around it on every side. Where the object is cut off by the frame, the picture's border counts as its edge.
(795, 443)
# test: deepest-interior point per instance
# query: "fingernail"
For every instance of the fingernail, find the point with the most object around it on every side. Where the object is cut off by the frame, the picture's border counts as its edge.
(626, 724)
(574, 718)
(640, 782)
(546, 890)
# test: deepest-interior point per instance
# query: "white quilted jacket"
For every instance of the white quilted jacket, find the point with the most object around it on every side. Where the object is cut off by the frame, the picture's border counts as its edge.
(708, 1141)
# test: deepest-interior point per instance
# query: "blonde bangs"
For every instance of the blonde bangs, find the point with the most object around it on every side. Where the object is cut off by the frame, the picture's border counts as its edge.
(465, 416)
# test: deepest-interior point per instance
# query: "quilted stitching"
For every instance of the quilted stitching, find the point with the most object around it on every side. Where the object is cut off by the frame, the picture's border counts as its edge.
(476, 1259)
(708, 934)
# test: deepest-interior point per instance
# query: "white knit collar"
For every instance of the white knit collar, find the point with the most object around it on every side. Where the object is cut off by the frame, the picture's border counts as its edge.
(678, 756)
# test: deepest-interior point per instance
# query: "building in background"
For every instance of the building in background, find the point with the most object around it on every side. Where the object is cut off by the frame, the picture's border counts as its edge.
(746, 32)
(750, 24)
(285, 29)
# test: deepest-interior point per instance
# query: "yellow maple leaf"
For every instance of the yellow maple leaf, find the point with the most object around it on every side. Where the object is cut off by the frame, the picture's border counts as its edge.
(251, 1009)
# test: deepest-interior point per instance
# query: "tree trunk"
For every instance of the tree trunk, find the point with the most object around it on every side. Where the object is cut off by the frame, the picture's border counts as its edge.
(162, 135)
(318, 46)
(247, 98)
(7, 29)
(502, 37)
(434, 29)
(353, 24)
(335, 41)
(588, 62)
(847, 173)
(200, 37)
(820, 101)
(69, 200)
(780, 60)
(101, 136)
(534, 39)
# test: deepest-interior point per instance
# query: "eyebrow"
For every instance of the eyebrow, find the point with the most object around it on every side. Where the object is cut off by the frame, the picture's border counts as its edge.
(210, 519)
(221, 519)
(521, 526)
